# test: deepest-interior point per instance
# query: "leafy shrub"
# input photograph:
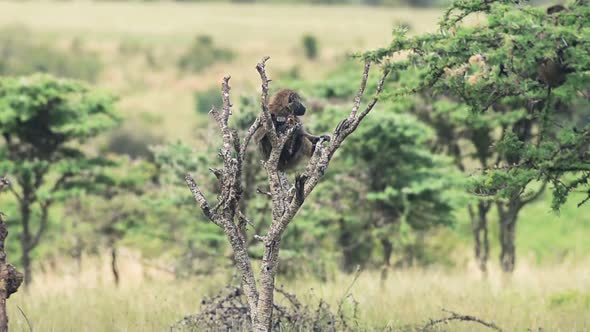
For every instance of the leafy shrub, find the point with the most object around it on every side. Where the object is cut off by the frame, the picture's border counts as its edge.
(22, 54)
(202, 53)
(310, 45)
(205, 99)
(133, 143)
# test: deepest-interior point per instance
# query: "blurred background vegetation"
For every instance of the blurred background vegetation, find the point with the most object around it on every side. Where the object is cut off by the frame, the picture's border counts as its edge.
(402, 217)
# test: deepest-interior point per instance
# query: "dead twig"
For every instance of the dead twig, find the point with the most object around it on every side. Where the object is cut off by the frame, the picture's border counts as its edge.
(459, 317)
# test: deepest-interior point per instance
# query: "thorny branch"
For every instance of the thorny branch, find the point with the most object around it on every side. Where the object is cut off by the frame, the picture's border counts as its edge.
(460, 317)
(286, 197)
(266, 118)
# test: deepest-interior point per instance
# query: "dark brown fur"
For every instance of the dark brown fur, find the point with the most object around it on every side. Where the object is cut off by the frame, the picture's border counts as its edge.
(553, 72)
(285, 108)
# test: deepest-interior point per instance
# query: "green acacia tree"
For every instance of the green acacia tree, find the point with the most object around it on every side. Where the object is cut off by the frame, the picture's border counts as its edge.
(407, 185)
(524, 63)
(43, 121)
(467, 139)
(387, 188)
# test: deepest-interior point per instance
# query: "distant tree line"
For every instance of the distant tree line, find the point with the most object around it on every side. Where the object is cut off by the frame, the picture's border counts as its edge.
(389, 3)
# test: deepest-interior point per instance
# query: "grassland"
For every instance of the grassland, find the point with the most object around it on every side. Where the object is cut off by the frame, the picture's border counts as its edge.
(166, 29)
(554, 299)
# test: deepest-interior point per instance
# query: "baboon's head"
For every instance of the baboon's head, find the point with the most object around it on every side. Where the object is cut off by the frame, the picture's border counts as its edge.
(286, 102)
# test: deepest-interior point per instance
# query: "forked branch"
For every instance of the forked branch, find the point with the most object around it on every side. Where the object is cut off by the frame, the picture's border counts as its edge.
(287, 198)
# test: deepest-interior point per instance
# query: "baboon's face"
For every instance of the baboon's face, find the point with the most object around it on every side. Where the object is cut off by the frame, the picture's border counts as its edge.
(295, 104)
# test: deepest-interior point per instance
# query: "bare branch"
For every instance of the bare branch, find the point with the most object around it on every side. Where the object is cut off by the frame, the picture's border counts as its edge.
(359, 95)
(289, 296)
(257, 123)
(243, 221)
(286, 198)
(222, 119)
(459, 317)
(321, 158)
(225, 97)
(200, 198)
(4, 182)
(259, 191)
(347, 126)
(266, 118)
(217, 172)
(215, 114)
(376, 96)
(259, 238)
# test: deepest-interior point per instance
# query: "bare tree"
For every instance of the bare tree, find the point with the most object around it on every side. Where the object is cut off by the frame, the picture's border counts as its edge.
(10, 278)
(286, 197)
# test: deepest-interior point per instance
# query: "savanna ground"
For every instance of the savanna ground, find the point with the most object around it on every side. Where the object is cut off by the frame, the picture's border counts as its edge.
(550, 288)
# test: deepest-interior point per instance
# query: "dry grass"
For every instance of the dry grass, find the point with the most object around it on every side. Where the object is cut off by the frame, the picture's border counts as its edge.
(552, 298)
(167, 28)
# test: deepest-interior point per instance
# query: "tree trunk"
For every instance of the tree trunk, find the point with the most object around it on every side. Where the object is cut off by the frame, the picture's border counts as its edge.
(270, 262)
(479, 224)
(507, 237)
(78, 247)
(26, 243)
(3, 296)
(26, 261)
(78, 255)
(10, 279)
(346, 242)
(114, 266)
(387, 251)
(508, 215)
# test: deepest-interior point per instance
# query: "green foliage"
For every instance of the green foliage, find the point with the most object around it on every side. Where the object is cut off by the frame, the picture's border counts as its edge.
(186, 225)
(310, 45)
(520, 63)
(341, 84)
(405, 178)
(387, 168)
(42, 113)
(133, 143)
(203, 53)
(22, 54)
(43, 121)
(206, 99)
(408, 188)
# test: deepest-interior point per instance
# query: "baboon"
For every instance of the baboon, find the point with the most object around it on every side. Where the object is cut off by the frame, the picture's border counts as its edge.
(553, 72)
(285, 107)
